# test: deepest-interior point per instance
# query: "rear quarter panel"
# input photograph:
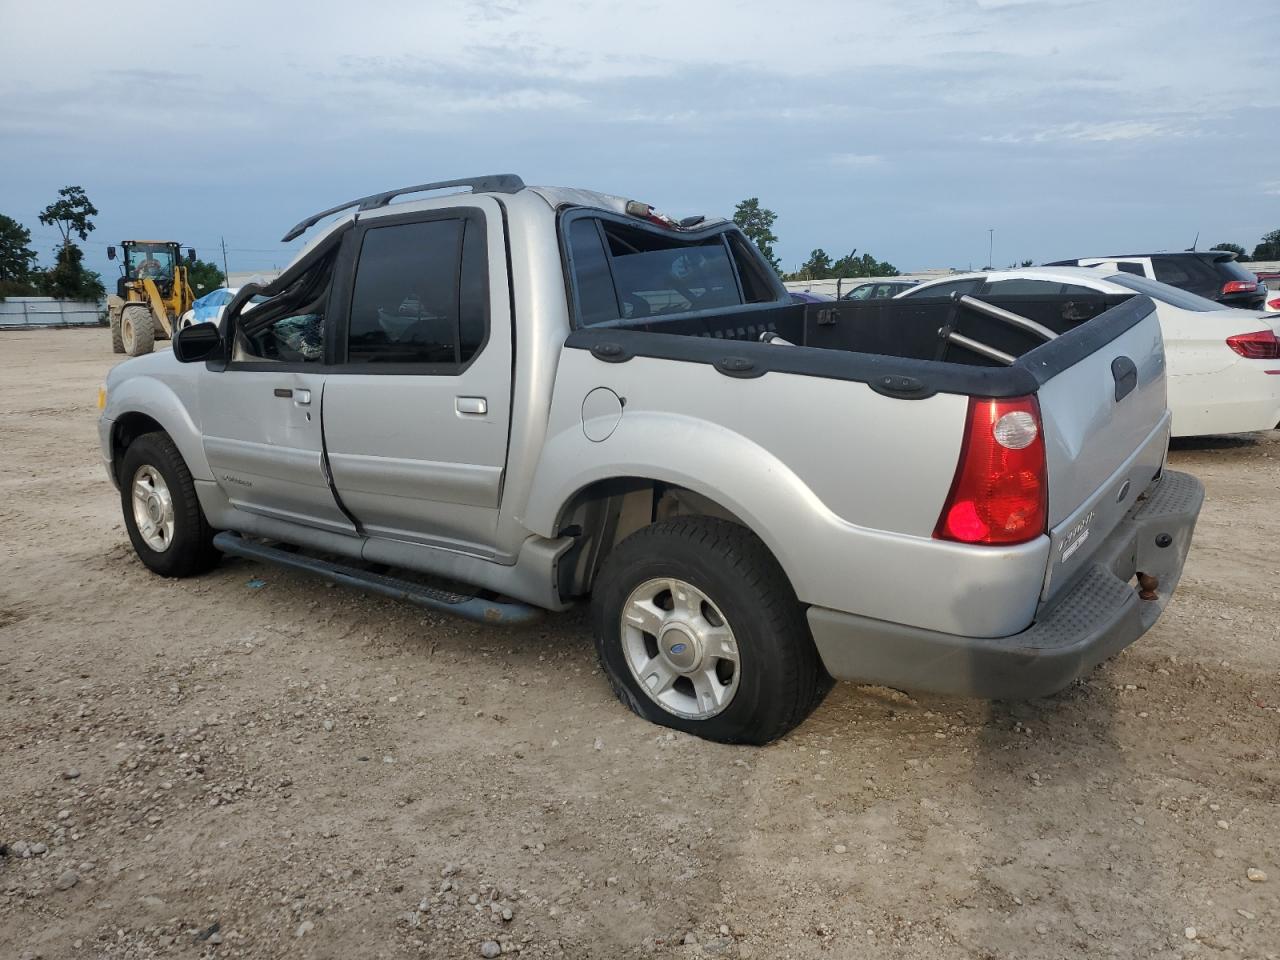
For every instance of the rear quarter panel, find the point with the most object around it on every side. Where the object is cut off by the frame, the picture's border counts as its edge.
(842, 484)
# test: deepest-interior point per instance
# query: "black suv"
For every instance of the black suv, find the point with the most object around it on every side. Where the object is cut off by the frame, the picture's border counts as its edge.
(1213, 274)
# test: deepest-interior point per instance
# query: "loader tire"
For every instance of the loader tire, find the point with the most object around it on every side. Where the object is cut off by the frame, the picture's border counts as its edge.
(117, 338)
(137, 330)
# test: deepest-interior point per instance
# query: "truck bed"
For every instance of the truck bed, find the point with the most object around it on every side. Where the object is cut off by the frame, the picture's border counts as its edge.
(894, 346)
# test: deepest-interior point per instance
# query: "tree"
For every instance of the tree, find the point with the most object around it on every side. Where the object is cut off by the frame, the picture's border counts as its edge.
(17, 260)
(757, 223)
(817, 267)
(69, 279)
(820, 266)
(1269, 248)
(1232, 248)
(70, 214)
(863, 266)
(204, 276)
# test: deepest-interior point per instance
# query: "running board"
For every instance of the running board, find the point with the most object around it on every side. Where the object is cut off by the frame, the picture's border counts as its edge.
(471, 608)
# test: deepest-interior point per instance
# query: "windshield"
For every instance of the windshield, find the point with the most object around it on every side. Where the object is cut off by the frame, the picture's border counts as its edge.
(1232, 270)
(1176, 296)
(154, 260)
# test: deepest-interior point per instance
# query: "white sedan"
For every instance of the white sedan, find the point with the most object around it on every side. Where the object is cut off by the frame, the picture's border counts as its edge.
(1223, 363)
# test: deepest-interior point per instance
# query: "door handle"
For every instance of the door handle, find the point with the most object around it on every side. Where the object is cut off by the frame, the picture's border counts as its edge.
(300, 397)
(471, 405)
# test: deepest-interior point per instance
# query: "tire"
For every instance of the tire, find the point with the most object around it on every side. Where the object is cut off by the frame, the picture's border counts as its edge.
(137, 330)
(117, 339)
(187, 549)
(772, 680)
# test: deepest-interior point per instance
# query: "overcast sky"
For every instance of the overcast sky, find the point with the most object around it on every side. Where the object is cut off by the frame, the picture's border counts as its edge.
(903, 129)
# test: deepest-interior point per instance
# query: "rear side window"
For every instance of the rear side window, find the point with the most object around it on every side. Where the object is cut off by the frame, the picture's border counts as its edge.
(1029, 287)
(1167, 293)
(625, 273)
(597, 301)
(1125, 266)
(420, 294)
(946, 289)
(1021, 286)
(1169, 270)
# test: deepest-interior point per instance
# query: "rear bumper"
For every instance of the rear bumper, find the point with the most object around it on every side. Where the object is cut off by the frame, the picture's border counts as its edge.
(1241, 398)
(1097, 618)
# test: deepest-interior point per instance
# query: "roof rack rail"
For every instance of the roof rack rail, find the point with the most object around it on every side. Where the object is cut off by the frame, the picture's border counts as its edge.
(493, 183)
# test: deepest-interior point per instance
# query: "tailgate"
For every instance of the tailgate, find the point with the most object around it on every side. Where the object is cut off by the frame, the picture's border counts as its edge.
(1106, 429)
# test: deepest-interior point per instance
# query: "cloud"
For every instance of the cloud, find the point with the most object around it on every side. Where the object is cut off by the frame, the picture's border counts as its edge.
(856, 160)
(690, 105)
(1111, 131)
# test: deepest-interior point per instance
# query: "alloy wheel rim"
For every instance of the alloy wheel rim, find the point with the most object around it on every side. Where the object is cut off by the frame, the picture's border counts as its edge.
(680, 648)
(152, 508)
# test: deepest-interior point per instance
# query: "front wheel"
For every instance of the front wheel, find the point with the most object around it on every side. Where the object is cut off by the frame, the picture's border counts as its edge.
(698, 628)
(137, 330)
(168, 529)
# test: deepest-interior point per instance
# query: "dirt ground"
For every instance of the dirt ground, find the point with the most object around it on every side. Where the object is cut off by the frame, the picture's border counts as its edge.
(251, 764)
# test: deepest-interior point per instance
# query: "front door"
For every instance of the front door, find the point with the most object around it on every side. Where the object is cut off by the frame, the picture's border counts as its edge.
(417, 407)
(263, 413)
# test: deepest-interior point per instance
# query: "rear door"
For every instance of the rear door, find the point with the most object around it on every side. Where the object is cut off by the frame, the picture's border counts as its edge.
(417, 409)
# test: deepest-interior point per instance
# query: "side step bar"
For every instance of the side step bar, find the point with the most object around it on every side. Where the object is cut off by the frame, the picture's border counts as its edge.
(471, 608)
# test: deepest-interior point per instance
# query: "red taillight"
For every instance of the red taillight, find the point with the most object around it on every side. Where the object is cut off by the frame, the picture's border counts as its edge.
(1000, 491)
(1262, 345)
(1274, 304)
(1239, 286)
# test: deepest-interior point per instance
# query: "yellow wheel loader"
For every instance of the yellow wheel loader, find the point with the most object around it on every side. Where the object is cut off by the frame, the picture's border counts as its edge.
(151, 295)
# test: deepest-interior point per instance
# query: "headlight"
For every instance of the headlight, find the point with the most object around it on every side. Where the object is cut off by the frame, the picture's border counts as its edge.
(102, 397)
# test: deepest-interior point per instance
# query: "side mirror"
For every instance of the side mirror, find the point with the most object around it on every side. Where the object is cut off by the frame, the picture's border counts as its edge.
(191, 254)
(111, 253)
(196, 342)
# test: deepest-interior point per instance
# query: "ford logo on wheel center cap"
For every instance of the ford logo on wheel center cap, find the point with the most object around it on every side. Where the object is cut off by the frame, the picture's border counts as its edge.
(678, 648)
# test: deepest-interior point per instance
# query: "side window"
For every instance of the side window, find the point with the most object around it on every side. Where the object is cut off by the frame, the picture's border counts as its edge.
(861, 292)
(1170, 271)
(289, 327)
(420, 294)
(947, 289)
(1134, 268)
(756, 285)
(1023, 287)
(596, 299)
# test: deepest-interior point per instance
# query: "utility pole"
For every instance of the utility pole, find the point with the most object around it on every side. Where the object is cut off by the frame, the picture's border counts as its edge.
(991, 243)
(226, 272)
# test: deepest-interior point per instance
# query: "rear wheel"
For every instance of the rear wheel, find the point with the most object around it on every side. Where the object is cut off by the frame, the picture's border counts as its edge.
(168, 529)
(117, 339)
(697, 628)
(137, 330)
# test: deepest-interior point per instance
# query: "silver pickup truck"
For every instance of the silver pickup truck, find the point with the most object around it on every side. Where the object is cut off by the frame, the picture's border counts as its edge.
(503, 401)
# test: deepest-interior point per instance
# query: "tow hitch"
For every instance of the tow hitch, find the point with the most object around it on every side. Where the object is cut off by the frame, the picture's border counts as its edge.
(1147, 586)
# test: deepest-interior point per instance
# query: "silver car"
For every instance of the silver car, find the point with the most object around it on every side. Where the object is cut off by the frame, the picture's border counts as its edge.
(554, 395)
